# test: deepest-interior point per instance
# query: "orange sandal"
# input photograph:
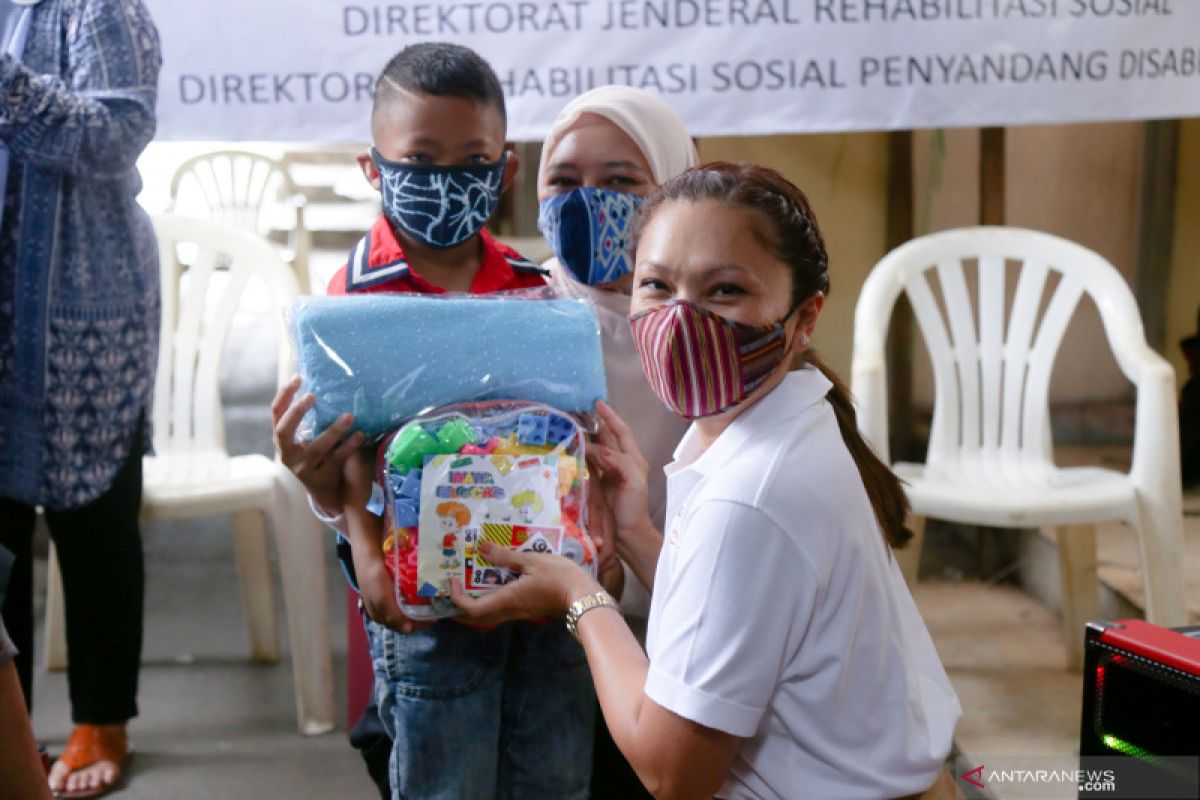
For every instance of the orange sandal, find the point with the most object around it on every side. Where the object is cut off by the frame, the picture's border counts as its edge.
(88, 745)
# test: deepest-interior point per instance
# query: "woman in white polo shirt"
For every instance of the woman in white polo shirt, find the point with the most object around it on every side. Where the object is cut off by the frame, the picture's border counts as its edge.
(784, 656)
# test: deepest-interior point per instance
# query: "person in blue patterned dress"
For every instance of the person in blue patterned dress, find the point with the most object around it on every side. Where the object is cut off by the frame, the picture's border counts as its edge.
(79, 320)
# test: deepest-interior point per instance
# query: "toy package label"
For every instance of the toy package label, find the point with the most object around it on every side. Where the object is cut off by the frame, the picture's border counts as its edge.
(508, 472)
(512, 501)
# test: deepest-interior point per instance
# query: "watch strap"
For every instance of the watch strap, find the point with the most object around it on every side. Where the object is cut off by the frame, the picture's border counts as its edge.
(585, 604)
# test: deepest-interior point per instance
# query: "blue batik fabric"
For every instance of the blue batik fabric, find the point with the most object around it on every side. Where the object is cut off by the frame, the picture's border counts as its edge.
(79, 293)
(589, 229)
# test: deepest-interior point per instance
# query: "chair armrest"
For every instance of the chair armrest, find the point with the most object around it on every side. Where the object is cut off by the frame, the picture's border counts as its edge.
(1156, 469)
(868, 382)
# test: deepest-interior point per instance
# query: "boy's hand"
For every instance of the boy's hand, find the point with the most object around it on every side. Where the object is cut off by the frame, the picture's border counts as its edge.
(358, 483)
(318, 464)
(376, 584)
(377, 588)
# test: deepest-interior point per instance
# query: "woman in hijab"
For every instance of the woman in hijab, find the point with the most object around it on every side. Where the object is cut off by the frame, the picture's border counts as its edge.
(607, 149)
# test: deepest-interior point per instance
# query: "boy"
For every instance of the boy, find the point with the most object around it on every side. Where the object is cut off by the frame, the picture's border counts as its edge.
(480, 714)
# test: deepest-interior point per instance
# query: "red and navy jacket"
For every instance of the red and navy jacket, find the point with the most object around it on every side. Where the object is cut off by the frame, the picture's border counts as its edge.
(378, 264)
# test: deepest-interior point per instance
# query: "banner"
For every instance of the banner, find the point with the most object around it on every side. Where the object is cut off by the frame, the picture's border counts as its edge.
(288, 71)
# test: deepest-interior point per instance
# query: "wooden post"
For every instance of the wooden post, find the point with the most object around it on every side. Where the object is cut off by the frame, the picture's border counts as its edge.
(1160, 154)
(991, 176)
(900, 332)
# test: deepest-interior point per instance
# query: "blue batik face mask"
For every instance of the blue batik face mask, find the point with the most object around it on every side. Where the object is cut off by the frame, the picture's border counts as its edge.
(439, 206)
(589, 232)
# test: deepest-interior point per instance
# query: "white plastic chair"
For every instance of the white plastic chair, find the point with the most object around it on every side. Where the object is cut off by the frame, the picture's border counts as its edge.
(249, 191)
(990, 456)
(191, 474)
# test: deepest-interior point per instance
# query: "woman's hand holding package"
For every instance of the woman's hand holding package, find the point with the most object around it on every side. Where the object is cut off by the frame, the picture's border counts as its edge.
(547, 587)
(620, 474)
(318, 464)
(375, 582)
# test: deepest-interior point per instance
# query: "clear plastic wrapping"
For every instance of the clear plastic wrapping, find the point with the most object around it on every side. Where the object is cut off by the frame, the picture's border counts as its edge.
(509, 472)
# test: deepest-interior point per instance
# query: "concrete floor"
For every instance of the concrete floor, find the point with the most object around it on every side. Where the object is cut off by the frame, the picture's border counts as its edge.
(213, 724)
(1004, 654)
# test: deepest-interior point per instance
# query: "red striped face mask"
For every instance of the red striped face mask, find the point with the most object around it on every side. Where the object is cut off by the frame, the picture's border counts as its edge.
(700, 363)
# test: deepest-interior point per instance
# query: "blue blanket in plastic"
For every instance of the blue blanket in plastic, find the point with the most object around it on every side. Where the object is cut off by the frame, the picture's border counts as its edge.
(388, 358)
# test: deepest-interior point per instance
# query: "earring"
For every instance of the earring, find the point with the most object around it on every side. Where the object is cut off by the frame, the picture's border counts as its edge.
(804, 340)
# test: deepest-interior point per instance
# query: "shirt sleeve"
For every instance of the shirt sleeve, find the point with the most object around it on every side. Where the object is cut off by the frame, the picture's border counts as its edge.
(98, 117)
(738, 600)
(335, 521)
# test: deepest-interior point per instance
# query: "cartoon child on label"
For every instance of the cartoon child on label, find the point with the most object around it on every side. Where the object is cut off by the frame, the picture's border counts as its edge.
(454, 517)
(528, 505)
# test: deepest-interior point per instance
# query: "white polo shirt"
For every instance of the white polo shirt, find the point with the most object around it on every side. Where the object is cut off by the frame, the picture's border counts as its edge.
(779, 615)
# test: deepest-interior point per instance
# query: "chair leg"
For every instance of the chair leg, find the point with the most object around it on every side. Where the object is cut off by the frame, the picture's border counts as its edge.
(299, 540)
(1080, 586)
(909, 556)
(54, 640)
(1160, 537)
(250, 545)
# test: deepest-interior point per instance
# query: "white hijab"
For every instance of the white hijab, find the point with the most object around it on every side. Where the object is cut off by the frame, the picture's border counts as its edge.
(647, 119)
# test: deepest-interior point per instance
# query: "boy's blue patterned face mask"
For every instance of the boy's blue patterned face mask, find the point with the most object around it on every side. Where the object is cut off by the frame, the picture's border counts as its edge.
(589, 232)
(439, 206)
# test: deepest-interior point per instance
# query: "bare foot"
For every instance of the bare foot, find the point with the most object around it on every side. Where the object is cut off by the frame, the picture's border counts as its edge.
(91, 764)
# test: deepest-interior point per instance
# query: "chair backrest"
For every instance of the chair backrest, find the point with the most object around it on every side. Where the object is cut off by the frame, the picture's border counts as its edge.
(991, 374)
(247, 190)
(199, 302)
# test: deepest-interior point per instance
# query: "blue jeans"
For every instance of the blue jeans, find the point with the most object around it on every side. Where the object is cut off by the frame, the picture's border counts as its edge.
(485, 715)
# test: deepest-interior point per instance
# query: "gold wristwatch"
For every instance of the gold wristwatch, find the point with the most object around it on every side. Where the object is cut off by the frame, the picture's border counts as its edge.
(585, 604)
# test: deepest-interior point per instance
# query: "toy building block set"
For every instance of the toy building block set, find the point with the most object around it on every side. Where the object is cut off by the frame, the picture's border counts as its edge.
(507, 472)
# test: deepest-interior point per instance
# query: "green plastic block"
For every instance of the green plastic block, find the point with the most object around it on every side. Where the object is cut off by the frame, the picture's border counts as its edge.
(456, 433)
(409, 448)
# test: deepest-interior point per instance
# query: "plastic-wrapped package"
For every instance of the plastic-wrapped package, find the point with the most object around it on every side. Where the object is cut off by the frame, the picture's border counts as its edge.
(388, 358)
(510, 472)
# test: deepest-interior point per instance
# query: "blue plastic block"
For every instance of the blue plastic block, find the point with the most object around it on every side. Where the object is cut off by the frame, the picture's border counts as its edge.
(405, 513)
(427, 590)
(499, 428)
(532, 429)
(411, 485)
(560, 429)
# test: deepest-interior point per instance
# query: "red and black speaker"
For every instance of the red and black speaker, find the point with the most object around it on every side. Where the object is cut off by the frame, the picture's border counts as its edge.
(1141, 708)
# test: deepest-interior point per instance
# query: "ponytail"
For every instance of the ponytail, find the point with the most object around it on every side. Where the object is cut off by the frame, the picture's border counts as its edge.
(883, 487)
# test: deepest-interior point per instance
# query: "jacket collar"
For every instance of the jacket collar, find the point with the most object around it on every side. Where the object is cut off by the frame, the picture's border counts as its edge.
(379, 258)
